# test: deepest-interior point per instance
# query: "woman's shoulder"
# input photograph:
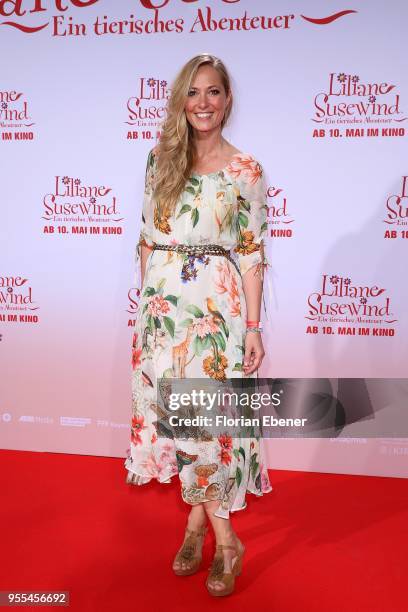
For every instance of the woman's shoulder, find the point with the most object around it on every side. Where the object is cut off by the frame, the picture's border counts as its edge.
(245, 167)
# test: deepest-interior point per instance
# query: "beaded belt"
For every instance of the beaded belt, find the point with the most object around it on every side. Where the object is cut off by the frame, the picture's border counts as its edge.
(197, 249)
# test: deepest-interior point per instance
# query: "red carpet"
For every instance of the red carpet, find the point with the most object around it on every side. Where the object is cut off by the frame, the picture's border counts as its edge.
(318, 542)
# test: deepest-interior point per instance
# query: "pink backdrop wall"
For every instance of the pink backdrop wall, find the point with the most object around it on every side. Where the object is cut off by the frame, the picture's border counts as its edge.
(321, 97)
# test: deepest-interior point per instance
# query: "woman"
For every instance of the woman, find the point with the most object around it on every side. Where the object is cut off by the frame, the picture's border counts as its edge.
(199, 312)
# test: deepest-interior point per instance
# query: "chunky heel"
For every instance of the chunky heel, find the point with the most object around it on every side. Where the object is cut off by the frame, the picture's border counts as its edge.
(237, 569)
(217, 573)
(187, 555)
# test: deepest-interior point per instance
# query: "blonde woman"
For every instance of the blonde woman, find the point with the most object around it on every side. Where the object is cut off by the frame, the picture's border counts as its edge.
(199, 309)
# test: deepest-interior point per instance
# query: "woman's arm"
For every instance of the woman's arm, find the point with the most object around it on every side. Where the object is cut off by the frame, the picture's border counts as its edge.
(145, 244)
(145, 252)
(251, 229)
(254, 349)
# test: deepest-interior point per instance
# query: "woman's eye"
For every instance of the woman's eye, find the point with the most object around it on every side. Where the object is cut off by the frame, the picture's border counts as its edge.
(213, 92)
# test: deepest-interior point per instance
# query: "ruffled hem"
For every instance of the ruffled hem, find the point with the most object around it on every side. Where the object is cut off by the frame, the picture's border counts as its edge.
(225, 513)
(142, 479)
(137, 479)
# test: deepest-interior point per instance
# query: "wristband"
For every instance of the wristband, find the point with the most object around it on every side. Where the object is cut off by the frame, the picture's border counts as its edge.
(253, 324)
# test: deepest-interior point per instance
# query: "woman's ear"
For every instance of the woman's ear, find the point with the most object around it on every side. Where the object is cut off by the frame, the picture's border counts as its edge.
(229, 99)
(227, 106)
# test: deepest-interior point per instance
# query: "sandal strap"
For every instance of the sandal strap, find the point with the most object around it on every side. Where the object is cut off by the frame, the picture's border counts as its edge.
(198, 532)
(226, 547)
(187, 551)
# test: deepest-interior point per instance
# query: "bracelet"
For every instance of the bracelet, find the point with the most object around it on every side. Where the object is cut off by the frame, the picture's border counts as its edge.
(254, 329)
(251, 325)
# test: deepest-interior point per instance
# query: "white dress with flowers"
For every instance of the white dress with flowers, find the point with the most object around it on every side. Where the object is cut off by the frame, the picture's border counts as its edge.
(191, 322)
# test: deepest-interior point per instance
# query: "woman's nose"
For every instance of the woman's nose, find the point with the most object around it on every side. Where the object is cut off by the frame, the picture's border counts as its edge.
(203, 101)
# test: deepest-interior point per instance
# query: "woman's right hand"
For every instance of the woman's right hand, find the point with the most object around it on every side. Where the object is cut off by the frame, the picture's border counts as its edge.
(254, 352)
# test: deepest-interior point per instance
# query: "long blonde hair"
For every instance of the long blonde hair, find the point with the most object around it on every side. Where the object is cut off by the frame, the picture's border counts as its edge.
(176, 148)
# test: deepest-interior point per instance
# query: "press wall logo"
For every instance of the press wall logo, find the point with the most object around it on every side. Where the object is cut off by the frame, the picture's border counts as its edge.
(349, 307)
(147, 109)
(15, 117)
(348, 100)
(133, 304)
(279, 218)
(397, 212)
(17, 13)
(149, 21)
(86, 209)
(16, 300)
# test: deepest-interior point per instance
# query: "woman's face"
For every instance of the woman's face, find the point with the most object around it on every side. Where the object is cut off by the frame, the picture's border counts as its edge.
(206, 100)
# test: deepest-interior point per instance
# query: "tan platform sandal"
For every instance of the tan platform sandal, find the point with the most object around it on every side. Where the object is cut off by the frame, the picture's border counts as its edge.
(217, 571)
(187, 555)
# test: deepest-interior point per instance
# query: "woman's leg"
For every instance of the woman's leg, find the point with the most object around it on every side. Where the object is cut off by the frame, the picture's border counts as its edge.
(224, 534)
(197, 519)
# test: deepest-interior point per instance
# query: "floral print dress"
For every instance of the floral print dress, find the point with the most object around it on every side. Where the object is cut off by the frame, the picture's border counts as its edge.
(191, 322)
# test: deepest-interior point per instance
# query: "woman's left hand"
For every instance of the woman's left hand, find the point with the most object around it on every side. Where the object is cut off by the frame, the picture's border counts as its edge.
(254, 352)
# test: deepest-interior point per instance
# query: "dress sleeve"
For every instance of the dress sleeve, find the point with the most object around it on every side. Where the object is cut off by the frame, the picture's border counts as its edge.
(147, 216)
(146, 229)
(251, 222)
